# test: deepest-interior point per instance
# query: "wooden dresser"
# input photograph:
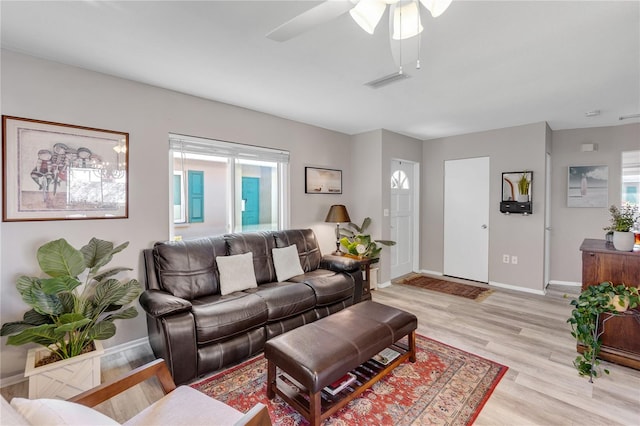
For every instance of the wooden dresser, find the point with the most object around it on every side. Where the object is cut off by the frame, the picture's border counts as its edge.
(601, 262)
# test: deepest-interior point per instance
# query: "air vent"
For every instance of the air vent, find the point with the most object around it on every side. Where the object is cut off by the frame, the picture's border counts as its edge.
(387, 79)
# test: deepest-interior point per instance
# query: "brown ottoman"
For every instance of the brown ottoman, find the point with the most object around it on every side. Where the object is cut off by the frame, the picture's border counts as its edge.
(321, 352)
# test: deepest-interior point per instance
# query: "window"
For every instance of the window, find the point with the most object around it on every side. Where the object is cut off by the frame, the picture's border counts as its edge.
(631, 177)
(399, 180)
(221, 187)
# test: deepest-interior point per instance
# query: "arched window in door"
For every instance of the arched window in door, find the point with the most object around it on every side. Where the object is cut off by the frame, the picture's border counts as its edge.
(399, 180)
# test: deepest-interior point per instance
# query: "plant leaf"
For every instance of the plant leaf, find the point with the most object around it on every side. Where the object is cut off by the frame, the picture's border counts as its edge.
(110, 273)
(128, 313)
(108, 293)
(43, 334)
(59, 284)
(58, 258)
(97, 253)
(102, 330)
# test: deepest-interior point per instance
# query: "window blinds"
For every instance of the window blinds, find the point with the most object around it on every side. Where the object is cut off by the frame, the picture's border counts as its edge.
(195, 145)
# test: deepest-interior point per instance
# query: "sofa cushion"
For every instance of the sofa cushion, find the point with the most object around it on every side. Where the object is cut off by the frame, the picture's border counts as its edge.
(307, 244)
(221, 317)
(317, 273)
(56, 412)
(285, 299)
(236, 273)
(286, 262)
(260, 244)
(186, 269)
(331, 289)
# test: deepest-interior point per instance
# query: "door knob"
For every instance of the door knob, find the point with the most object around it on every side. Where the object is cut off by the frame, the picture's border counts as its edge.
(484, 227)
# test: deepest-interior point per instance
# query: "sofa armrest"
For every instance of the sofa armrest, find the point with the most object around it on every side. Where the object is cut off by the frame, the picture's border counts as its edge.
(158, 303)
(339, 263)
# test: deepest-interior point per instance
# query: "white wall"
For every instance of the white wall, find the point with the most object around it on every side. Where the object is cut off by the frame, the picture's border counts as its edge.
(570, 226)
(45, 90)
(511, 149)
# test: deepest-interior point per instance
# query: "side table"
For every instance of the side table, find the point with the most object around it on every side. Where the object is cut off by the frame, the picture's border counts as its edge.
(365, 266)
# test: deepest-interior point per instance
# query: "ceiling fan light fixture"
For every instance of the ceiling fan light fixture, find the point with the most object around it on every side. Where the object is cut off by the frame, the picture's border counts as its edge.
(406, 21)
(436, 7)
(368, 13)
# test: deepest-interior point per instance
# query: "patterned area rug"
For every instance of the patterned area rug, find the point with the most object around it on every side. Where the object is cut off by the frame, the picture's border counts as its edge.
(446, 386)
(449, 287)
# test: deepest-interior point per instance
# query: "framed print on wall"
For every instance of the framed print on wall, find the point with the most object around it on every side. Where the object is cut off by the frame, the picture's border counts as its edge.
(322, 181)
(55, 171)
(588, 186)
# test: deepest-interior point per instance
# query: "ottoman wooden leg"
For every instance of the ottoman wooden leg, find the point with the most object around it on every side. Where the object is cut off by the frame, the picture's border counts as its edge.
(271, 379)
(315, 408)
(412, 346)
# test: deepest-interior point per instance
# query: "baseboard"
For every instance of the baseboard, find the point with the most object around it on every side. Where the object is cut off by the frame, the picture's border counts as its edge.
(428, 272)
(567, 283)
(516, 288)
(18, 378)
(384, 284)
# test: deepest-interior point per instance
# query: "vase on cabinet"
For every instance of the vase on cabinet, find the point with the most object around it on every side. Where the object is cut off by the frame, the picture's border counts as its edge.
(623, 241)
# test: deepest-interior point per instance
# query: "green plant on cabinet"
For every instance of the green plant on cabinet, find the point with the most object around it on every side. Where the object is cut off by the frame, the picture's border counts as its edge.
(604, 298)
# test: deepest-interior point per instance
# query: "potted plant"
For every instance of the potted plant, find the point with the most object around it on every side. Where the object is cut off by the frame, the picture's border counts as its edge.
(586, 328)
(71, 309)
(623, 220)
(523, 188)
(354, 241)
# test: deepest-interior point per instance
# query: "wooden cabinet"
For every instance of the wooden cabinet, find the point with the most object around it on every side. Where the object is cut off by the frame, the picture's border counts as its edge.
(601, 262)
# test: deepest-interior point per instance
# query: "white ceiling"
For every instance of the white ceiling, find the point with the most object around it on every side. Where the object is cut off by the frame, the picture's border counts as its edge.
(485, 65)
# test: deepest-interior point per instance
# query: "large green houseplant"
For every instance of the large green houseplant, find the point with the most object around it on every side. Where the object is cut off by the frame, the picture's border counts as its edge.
(585, 320)
(77, 302)
(354, 241)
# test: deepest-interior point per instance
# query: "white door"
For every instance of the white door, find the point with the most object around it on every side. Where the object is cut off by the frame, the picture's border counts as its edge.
(402, 215)
(466, 218)
(547, 221)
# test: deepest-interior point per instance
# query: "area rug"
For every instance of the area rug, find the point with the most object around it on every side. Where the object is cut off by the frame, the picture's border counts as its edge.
(448, 287)
(445, 386)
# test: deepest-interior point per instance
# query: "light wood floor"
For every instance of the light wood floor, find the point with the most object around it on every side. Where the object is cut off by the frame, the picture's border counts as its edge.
(528, 333)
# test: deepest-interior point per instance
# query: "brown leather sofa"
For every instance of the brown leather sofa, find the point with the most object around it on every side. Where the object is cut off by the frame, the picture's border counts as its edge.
(197, 330)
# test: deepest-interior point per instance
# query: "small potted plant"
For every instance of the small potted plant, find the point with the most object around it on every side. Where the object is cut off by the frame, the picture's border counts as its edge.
(623, 220)
(354, 241)
(523, 188)
(71, 309)
(604, 298)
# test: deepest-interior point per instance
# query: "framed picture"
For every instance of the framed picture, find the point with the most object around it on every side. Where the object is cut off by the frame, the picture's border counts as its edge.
(322, 181)
(588, 186)
(54, 171)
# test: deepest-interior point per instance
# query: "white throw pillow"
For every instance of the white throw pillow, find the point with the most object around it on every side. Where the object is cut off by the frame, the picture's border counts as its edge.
(286, 262)
(56, 412)
(236, 273)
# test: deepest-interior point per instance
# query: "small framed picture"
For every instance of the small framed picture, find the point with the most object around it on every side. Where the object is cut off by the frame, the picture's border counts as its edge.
(322, 181)
(55, 171)
(588, 186)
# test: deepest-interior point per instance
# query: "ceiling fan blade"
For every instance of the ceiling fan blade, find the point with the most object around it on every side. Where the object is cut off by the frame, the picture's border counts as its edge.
(318, 15)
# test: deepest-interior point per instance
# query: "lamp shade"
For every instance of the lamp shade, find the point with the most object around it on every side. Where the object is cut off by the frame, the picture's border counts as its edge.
(406, 21)
(367, 14)
(338, 214)
(436, 7)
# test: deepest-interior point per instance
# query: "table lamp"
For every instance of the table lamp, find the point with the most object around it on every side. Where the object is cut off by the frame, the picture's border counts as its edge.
(338, 214)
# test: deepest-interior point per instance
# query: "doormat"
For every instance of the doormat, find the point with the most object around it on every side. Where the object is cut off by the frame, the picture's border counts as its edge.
(448, 287)
(445, 386)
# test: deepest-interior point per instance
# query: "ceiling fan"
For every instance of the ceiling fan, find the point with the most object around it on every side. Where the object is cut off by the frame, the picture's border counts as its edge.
(404, 16)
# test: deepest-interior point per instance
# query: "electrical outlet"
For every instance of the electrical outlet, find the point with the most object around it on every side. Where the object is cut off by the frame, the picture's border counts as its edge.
(514, 260)
(505, 258)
